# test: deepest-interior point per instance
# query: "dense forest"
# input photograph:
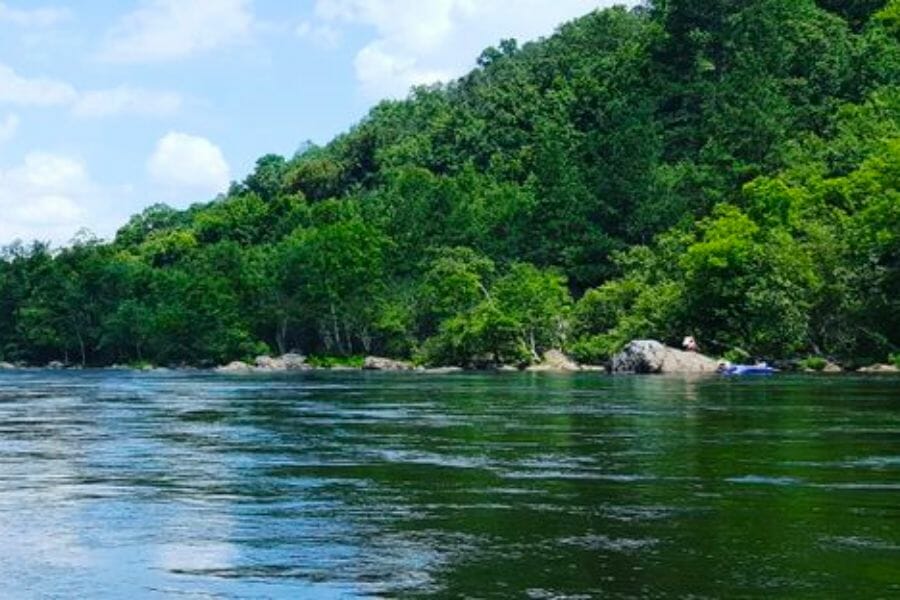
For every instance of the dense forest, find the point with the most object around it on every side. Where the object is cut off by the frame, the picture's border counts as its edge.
(722, 168)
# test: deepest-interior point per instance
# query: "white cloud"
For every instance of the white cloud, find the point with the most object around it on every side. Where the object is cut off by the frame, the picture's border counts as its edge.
(15, 89)
(51, 197)
(9, 125)
(122, 100)
(37, 17)
(44, 198)
(321, 35)
(165, 30)
(420, 42)
(187, 161)
(127, 100)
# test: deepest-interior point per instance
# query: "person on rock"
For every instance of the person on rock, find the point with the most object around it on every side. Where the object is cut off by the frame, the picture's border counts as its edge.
(689, 344)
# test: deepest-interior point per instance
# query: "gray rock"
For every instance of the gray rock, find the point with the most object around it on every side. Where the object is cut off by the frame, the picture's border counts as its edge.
(650, 356)
(235, 368)
(268, 363)
(880, 369)
(377, 363)
(295, 362)
(55, 365)
(555, 361)
(288, 362)
(5, 366)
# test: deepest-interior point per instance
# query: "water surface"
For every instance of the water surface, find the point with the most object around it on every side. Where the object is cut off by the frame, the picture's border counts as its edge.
(523, 486)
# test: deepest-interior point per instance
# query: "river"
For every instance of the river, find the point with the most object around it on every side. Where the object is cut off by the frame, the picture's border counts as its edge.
(333, 485)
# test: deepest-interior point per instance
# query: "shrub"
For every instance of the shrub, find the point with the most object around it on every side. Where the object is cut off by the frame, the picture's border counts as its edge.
(736, 355)
(596, 349)
(894, 359)
(330, 362)
(813, 363)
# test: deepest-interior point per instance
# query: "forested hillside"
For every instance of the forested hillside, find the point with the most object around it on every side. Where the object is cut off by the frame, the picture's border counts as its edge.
(722, 168)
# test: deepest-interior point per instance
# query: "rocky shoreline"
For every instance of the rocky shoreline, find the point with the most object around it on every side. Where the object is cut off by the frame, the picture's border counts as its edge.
(637, 357)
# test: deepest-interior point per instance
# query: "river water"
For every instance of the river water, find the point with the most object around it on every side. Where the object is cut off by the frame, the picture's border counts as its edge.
(523, 486)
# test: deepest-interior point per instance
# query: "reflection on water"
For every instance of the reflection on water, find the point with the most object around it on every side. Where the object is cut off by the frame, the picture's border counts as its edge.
(328, 485)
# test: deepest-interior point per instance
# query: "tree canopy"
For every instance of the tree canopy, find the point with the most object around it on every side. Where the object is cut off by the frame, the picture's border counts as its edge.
(727, 169)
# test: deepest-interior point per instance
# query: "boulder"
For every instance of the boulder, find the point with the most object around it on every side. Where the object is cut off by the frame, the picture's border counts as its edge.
(555, 361)
(267, 363)
(235, 368)
(880, 369)
(5, 366)
(832, 368)
(376, 363)
(55, 365)
(295, 362)
(650, 356)
(288, 362)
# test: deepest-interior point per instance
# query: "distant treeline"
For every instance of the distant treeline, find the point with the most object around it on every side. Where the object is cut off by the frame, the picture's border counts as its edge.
(722, 168)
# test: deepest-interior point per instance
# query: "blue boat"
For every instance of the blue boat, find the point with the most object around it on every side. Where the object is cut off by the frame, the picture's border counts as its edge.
(760, 369)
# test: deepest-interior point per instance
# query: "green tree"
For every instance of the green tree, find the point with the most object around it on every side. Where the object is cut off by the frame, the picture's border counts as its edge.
(538, 303)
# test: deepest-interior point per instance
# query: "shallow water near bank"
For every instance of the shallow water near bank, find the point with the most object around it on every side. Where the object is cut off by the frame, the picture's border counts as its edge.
(327, 485)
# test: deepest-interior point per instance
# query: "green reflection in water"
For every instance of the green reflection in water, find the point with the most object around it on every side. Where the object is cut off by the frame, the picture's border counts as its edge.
(332, 485)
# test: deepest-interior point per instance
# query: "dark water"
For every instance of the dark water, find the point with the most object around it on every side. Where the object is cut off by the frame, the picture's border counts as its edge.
(121, 485)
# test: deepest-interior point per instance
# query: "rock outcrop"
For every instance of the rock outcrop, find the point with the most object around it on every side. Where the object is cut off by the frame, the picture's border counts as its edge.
(288, 362)
(377, 363)
(650, 356)
(555, 361)
(235, 368)
(880, 369)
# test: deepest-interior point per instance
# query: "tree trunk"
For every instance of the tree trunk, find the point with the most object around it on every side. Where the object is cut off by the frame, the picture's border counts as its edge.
(348, 336)
(366, 340)
(281, 336)
(82, 348)
(336, 329)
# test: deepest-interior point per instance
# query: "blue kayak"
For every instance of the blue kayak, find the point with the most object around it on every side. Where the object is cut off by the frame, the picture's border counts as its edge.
(760, 369)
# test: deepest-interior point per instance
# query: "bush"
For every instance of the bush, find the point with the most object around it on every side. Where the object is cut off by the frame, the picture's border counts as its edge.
(481, 337)
(595, 350)
(736, 355)
(894, 359)
(813, 363)
(330, 362)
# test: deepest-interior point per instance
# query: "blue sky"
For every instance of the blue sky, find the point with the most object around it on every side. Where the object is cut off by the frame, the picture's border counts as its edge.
(109, 106)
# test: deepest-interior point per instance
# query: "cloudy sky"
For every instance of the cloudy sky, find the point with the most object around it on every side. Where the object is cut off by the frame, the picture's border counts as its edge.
(107, 106)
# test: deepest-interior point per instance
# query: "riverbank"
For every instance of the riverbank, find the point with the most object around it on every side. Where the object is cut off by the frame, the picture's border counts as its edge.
(637, 357)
